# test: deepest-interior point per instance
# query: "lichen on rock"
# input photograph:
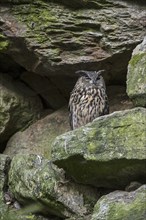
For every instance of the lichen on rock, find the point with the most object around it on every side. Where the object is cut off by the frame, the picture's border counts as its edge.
(121, 205)
(136, 77)
(35, 180)
(109, 152)
(3, 43)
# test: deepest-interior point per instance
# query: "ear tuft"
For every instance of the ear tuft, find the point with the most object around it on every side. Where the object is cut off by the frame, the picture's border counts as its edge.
(100, 72)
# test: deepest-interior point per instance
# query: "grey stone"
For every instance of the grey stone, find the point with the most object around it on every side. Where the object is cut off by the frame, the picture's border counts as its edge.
(109, 152)
(121, 205)
(136, 77)
(36, 181)
(38, 137)
(4, 167)
(19, 106)
(57, 40)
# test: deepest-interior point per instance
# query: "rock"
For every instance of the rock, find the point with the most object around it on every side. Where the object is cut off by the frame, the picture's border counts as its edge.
(109, 152)
(136, 77)
(121, 205)
(19, 107)
(36, 181)
(53, 40)
(118, 99)
(42, 85)
(4, 166)
(3, 43)
(37, 138)
(133, 186)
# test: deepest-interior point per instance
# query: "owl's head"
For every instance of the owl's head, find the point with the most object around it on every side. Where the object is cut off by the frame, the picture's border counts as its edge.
(92, 77)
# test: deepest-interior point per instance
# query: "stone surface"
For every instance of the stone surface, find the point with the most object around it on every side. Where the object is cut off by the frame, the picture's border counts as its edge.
(7, 211)
(136, 78)
(109, 152)
(51, 95)
(52, 39)
(35, 180)
(118, 99)
(122, 205)
(3, 43)
(38, 137)
(4, 166)
(19, 106)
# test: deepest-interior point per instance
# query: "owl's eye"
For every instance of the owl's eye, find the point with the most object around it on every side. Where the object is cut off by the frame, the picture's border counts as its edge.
(87, 77)
(98, 78)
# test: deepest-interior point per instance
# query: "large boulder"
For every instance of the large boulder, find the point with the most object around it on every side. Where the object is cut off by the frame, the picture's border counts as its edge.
(136, 77)
(19, 106)
(38, 137)
(122, 205)
(109, 152)
(53, 39)
(34, 180)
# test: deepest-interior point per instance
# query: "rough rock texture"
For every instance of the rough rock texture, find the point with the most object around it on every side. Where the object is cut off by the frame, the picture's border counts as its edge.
(52, 39)
(19, 106)
(37, 139)
(109, 152)
(136, 78)
(3, 43)
(4, 165)
(122, 205)
(33, 179)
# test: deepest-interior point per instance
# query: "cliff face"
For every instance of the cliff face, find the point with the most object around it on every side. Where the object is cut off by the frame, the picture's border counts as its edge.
(42, 44)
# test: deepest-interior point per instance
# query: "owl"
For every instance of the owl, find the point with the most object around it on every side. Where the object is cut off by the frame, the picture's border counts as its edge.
(88, 100)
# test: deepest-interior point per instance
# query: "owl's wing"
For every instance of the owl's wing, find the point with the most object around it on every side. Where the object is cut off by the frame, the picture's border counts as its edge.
(70, 119)
(106, 108)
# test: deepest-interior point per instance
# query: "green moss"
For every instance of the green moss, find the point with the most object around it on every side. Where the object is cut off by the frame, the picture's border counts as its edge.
(4, 43)
(108, 152)
(121, 205)
(136, 79)
(136, 58)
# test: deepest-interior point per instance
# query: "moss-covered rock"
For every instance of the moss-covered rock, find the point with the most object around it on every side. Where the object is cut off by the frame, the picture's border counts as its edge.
(136, 78)
(34, 180)
(7, 211)
(109, 152)
(3, 43)
(50, 39)
(19, 106)
(84, 3)
(121, 205)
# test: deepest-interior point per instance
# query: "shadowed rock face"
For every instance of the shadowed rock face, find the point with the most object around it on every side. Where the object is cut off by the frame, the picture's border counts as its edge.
(51, 39)
(19, 107)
